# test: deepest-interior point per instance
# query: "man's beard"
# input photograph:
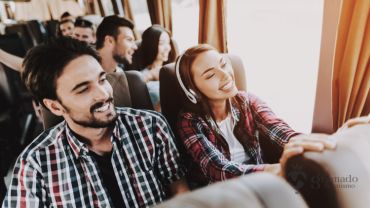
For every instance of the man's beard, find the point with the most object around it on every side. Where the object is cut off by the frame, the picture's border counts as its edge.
(120, 59)
(93, 122)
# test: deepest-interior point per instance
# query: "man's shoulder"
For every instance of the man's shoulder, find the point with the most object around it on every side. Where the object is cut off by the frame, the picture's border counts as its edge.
(131, 112)
(42, 142)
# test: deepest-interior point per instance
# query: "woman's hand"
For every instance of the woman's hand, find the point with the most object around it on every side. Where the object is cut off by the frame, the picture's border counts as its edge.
(305, 142)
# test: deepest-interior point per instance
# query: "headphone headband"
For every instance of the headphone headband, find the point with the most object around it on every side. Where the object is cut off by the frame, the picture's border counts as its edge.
(189, 93)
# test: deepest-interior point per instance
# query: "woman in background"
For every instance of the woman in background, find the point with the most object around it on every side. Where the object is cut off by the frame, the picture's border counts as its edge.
(155, 48)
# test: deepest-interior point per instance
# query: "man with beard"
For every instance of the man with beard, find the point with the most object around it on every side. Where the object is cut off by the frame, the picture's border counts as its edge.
(100, 156)
(115, 42)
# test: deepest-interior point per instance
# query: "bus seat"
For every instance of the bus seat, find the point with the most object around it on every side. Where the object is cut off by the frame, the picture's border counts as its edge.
(173, 98)
(13, 44)
(2, 190)
(129, 90)
(24, 32)
(17, 123)
(259, 190)
(38, 30)
(339, 178)
(174, 52)
(52, 28)
(139, 93)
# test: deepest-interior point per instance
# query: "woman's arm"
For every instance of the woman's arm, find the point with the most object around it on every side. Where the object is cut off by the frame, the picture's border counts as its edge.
(10, 60)
(267, 122)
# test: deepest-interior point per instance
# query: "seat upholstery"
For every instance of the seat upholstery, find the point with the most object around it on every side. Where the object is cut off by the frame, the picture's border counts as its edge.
(339, 178)
(259, 190)
(129, 90)
(38, 30)
(24, 32)
(173, 98)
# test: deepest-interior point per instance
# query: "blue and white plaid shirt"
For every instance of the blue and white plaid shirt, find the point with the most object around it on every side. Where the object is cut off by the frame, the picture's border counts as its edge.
(56, 170)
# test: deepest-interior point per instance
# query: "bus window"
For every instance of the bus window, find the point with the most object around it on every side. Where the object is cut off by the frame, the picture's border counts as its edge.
(185, 23)
(279, 42)
(141, 14)
(108, 7)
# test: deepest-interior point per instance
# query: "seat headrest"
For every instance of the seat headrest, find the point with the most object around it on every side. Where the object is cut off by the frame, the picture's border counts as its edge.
(121, 92)
(339, 178)
(254, 191)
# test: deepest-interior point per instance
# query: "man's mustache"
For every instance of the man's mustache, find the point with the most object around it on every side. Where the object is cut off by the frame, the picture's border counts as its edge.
(100, 104)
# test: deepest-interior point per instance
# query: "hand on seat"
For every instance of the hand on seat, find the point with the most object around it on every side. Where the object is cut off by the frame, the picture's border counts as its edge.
(305, 142)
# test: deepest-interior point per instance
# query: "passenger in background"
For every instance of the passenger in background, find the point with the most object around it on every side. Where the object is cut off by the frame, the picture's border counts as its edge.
(67, 16)
(84, 30)
(66, 28)
(115, 42)
(155, 48)
(100, 156)
(222, 128)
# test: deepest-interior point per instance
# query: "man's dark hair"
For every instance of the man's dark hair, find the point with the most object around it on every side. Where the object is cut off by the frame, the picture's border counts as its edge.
(44, 63)
(65, 14)
(80, 22)
(109, 26)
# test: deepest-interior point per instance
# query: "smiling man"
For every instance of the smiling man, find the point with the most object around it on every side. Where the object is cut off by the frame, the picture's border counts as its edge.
(115, 42)
(100, 156)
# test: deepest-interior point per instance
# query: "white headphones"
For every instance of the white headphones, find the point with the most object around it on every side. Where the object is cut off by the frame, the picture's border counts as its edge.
(190, 94)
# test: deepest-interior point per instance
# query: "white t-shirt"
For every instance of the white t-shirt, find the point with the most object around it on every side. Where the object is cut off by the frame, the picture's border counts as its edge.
(237, 151)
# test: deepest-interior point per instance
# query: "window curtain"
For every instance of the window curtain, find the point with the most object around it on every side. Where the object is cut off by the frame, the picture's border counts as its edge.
(161, 13)
(212, 23)
(351, 70)
(128, 10)
(35, 9)
(129, 15)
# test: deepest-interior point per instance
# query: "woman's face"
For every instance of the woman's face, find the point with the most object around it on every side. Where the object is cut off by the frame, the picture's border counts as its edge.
(213, 75)
(164, 47)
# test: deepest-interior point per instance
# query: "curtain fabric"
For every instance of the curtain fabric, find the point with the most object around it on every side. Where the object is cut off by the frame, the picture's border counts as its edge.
(128, 10)
(35, 9)
(351, 70)
(212, 24)
(160, 13)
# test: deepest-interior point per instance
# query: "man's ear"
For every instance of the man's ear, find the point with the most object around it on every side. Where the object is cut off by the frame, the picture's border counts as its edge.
(109, 39)
(54, 106)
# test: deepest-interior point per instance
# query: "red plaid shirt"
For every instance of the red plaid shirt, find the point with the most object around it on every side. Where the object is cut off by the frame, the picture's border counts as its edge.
(210, 157)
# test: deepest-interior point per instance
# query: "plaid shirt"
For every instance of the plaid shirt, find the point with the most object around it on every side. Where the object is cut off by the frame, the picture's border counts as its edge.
(56, 170)
(210, 157)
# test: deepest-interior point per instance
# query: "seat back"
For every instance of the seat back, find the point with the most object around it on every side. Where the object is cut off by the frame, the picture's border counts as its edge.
(259, 190)
(38, 30)
(129, 90)
(52, 28)
(339, 178)
(6, 94)
(24, 32)
(13, 44)
(173, 98)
